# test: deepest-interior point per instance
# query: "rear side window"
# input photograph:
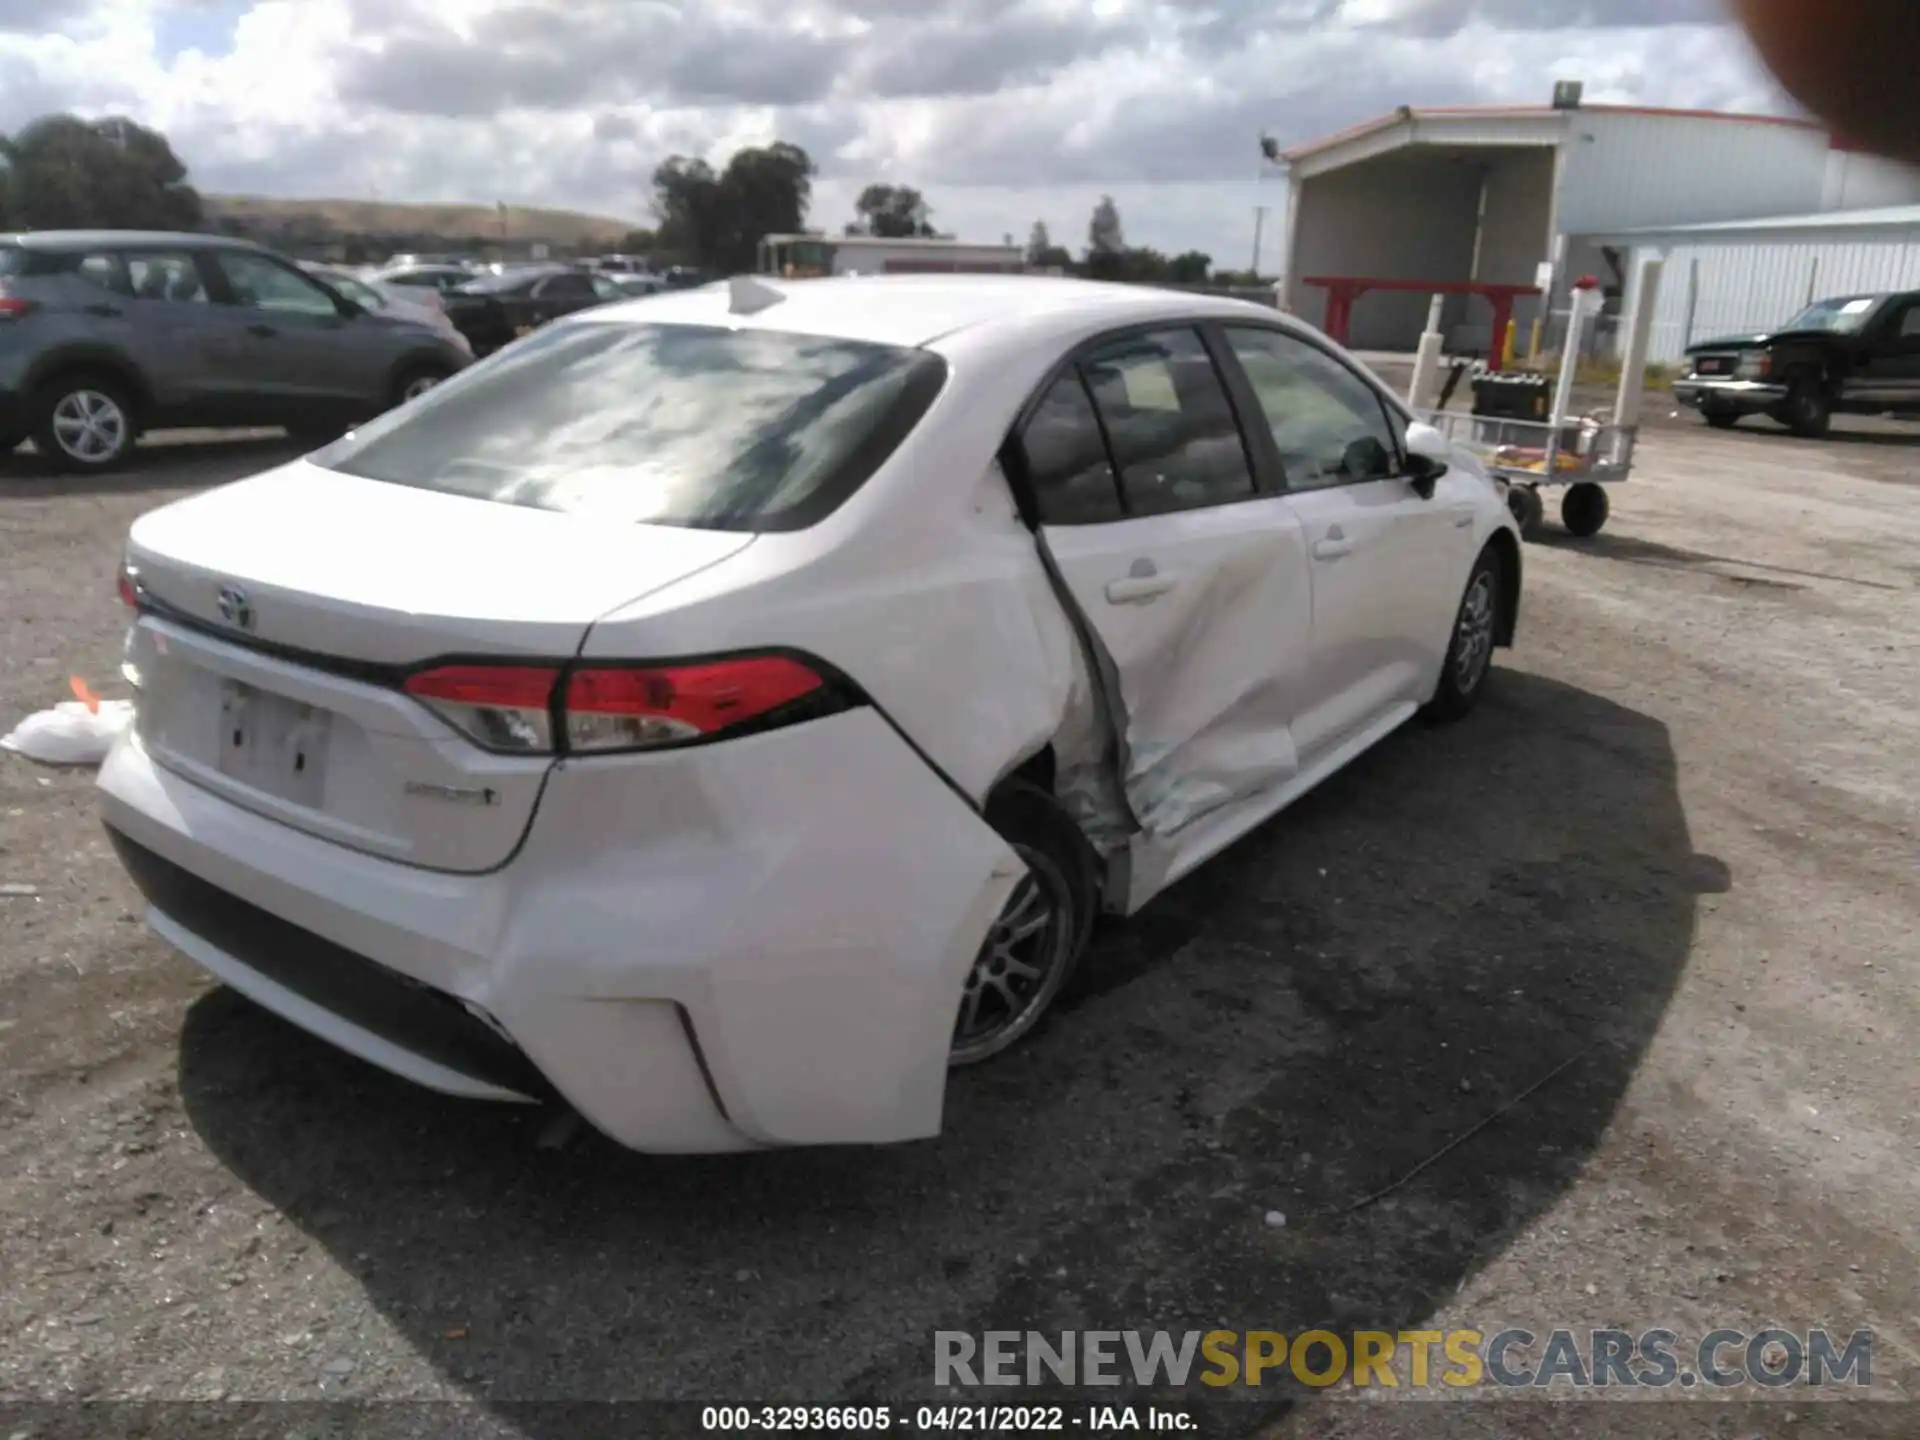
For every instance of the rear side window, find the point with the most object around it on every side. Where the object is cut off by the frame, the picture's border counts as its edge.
(165, 275)
(661, 424)
(1073, 481)
(1169, 423)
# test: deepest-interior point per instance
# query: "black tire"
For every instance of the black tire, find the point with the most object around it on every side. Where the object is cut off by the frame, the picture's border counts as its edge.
(998, 1004)
(1462, 680)
(1808, 409)
(415, 380)
(1721, 419)
(84, 422)
(1584, 509)
(1523, 503)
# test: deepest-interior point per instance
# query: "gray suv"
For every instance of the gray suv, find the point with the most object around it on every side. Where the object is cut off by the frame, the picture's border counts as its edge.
(107, 333)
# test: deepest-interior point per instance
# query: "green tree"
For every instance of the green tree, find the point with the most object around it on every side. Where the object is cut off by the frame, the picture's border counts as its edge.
(1106, 241)
(894, 211)
(638, 242)
(1190, 267)
(66, 173)
(715, 219)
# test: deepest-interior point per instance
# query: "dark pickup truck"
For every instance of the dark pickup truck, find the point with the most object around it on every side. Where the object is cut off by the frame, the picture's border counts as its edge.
(1854, 355)
(495, 310)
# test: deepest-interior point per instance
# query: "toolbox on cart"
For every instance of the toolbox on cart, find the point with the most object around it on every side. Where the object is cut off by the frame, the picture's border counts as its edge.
(1506, 396)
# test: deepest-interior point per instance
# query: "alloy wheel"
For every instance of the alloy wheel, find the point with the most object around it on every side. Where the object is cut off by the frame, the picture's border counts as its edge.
(418, 386)
(1021, 965)
(1473, 642)
(89, 426)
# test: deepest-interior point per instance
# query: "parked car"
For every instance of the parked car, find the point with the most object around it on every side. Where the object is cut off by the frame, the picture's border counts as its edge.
(635, 286)
(423, 307)
(105, 334)
(495, 310)
(437, 279)
(1852, 355)
(728, 710)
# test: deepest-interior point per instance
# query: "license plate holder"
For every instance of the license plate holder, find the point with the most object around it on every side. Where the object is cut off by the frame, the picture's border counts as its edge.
(273, 744)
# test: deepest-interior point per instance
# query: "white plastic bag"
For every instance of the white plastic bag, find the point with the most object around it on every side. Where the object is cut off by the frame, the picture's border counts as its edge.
(71, 733)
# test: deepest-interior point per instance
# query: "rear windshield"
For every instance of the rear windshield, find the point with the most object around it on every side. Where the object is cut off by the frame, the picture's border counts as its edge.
(13, 260)
(690, 425)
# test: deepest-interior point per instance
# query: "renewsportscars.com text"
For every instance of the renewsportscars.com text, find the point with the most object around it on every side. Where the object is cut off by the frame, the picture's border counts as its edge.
(1411, 1359)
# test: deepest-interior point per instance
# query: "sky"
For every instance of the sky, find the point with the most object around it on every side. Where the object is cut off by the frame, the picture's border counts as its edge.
(1001, 112)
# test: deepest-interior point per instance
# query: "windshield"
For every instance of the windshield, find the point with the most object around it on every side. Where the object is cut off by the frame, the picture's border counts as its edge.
(13, 259)
(1840, 316)
(661, 424)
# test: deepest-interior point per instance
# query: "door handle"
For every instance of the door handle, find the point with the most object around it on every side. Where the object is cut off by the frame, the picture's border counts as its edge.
(261, 330)
(109, 310)
(1138, 589)
(1331, 549)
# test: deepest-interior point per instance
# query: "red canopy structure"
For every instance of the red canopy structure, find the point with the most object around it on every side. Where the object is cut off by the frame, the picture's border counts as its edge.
(1343, 290)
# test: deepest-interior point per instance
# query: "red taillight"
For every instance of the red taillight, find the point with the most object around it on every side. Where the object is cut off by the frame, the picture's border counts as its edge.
(629, 707)
(14, 309)
(612, 707)
(504, 707)
(129, 590)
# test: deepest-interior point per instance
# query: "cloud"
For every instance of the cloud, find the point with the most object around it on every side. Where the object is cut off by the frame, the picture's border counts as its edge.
(999, 110)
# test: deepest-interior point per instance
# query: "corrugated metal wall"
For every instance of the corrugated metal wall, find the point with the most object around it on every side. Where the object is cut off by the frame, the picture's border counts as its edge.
(1626, 171)
(1742, 289)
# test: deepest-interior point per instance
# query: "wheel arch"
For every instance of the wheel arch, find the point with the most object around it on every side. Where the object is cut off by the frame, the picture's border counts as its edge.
(71, 360)
(1503, 544)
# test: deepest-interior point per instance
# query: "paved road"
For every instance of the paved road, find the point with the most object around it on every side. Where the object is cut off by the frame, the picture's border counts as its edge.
(1677, 844)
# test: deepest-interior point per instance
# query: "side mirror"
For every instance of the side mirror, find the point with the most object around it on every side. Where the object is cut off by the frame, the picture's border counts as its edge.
(1429, 454)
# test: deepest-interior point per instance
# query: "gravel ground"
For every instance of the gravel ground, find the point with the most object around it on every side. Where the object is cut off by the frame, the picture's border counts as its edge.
(1675, 846)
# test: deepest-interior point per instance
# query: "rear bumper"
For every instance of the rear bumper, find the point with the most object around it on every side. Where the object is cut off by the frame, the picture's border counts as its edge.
(752, 944)
(1729, 396)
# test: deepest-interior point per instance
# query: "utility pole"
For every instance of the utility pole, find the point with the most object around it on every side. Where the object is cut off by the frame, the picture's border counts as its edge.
(1259, 224)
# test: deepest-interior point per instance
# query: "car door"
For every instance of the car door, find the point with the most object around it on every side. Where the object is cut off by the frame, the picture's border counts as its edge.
(188, 355)
(301, 351)
(1188, 583)
(1388, 564)
(1888, 376)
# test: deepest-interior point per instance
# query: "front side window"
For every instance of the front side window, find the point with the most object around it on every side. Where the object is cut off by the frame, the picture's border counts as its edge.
(661, 424)
(262, 284)
(1169, 423)
(1908, 329)
(1329, 425)
(168, 275)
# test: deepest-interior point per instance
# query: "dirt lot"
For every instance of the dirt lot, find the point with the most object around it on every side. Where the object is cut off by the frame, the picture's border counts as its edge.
(1676, 847)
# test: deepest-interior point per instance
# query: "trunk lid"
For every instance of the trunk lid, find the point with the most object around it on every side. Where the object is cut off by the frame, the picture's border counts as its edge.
(287, 607)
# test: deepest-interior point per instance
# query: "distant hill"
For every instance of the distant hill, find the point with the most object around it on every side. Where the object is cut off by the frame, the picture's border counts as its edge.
(567, 229)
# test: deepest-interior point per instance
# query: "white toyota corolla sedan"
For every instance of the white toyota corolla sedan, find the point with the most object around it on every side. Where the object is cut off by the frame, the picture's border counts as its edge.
(727, 710)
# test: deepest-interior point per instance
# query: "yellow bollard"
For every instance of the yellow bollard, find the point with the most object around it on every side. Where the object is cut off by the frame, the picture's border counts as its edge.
(1533, 346)
(1506, 347)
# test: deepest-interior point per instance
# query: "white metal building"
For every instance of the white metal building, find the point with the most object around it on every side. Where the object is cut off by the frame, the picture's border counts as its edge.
(1491, 194)
(1744, 276)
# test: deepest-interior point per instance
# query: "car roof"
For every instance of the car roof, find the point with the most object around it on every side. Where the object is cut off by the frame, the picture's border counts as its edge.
(116, 239)
(916, 310)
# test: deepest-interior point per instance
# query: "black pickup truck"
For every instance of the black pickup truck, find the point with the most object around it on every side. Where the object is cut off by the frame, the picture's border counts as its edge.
(1853, 355)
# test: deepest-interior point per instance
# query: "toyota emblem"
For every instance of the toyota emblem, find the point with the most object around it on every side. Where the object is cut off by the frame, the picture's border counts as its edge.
(235, 608)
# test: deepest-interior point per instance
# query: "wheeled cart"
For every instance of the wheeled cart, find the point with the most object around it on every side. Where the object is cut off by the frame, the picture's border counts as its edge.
(1532, 445)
